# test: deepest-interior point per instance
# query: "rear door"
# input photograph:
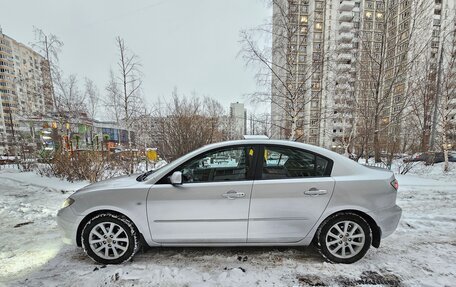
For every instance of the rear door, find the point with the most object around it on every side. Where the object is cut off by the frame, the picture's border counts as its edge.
(292, 191)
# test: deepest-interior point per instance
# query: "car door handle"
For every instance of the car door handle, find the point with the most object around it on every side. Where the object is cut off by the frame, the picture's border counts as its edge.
(233, 194)
(315, 192)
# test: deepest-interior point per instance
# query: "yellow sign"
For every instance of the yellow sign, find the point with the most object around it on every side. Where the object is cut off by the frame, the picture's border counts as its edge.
(152, 154)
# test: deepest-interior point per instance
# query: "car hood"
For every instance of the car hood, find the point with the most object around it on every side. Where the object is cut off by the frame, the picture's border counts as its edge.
(112, 183)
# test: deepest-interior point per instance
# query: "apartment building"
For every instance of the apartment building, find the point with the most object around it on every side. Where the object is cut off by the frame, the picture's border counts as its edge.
(343, 77)
(298, 53)
(25, 89)
(350, 64)
(238, 120)
(318, 66)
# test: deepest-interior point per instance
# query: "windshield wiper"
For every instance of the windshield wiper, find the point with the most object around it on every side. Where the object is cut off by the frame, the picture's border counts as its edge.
(143, 176)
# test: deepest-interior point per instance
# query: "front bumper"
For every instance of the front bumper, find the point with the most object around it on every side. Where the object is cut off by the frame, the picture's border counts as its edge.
(387, 219)
(68, 223)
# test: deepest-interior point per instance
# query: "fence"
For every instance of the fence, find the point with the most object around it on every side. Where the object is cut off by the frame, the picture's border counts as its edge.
(379, 165)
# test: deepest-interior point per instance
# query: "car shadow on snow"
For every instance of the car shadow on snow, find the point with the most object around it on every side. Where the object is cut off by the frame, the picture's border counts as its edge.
(230, 254)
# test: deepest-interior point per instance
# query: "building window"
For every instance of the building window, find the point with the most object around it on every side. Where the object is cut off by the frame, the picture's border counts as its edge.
(304, 19)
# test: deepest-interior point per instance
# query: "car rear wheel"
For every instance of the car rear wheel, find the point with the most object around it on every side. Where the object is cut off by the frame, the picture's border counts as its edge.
(344, 238)
(110, 239)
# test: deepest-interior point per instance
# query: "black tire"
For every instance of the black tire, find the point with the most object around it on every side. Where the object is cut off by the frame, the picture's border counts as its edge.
(128, 240)
(331, 252)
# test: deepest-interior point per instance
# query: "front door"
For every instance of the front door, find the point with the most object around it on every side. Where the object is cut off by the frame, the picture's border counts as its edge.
(292, 192)
(211, 205)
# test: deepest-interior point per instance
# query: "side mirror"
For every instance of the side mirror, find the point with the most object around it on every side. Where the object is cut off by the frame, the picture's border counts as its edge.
(176, 178)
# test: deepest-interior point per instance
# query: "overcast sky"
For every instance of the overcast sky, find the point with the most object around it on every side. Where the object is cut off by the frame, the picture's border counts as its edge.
(190, 44)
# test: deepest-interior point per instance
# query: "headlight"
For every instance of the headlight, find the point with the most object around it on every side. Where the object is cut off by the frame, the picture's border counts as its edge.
(69, 201)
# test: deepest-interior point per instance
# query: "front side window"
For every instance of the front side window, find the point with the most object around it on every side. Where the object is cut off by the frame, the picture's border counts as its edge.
(286, 162)
(228, 164)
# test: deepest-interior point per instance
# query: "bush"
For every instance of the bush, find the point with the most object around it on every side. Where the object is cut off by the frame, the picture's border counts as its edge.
(86, 165)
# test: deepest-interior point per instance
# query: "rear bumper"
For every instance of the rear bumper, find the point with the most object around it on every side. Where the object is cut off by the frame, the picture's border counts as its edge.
(68, 223)
(387, 219)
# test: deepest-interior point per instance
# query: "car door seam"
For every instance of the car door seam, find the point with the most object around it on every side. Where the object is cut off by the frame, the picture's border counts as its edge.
(258, 149)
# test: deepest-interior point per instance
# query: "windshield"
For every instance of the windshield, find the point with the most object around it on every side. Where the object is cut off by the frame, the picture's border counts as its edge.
(157, 166)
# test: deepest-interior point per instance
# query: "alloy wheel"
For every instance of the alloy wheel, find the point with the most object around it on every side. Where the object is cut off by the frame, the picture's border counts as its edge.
(345, 239)
(108, 240)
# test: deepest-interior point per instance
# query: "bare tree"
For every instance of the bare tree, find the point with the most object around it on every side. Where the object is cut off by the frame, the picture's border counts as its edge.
(213, 110)
(70, 101)
(113, 99)
(447, 91)
(388, 52)
(283, 69)
(129, 79)
(187, 123)
(260, 124)
(419, 121)
(50, 46)
(92, 96)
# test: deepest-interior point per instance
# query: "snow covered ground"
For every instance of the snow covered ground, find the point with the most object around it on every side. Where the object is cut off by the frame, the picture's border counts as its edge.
(420, 253)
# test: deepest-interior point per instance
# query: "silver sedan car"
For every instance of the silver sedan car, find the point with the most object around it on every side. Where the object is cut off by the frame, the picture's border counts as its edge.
(256, 192)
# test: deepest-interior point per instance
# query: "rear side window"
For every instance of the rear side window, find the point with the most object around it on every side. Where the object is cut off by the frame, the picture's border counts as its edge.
(285, 162)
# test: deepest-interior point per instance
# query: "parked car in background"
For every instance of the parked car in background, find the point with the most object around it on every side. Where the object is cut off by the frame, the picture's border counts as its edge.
(263, 193)
(432, 157)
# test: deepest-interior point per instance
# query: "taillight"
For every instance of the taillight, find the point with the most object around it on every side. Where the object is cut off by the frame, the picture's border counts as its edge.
(395, 184)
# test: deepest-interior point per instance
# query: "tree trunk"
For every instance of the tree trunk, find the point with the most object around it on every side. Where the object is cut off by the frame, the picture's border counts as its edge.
(376, 140)
(293, 129)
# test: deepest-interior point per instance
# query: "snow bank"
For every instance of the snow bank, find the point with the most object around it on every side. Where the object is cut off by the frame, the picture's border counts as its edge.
(32, 178)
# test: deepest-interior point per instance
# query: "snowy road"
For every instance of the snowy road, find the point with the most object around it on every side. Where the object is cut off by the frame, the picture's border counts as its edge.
(420, 253)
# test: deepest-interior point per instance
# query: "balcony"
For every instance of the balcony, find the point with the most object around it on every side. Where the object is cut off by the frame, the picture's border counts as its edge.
(345, 47)
(347, 5)
(345, 37)
(344, 68)
(346, 16)
(346, 27)
(344, 58)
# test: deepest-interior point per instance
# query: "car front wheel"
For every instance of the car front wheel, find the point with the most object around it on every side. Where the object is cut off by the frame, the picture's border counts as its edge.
(344, 238)
(110, 239)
